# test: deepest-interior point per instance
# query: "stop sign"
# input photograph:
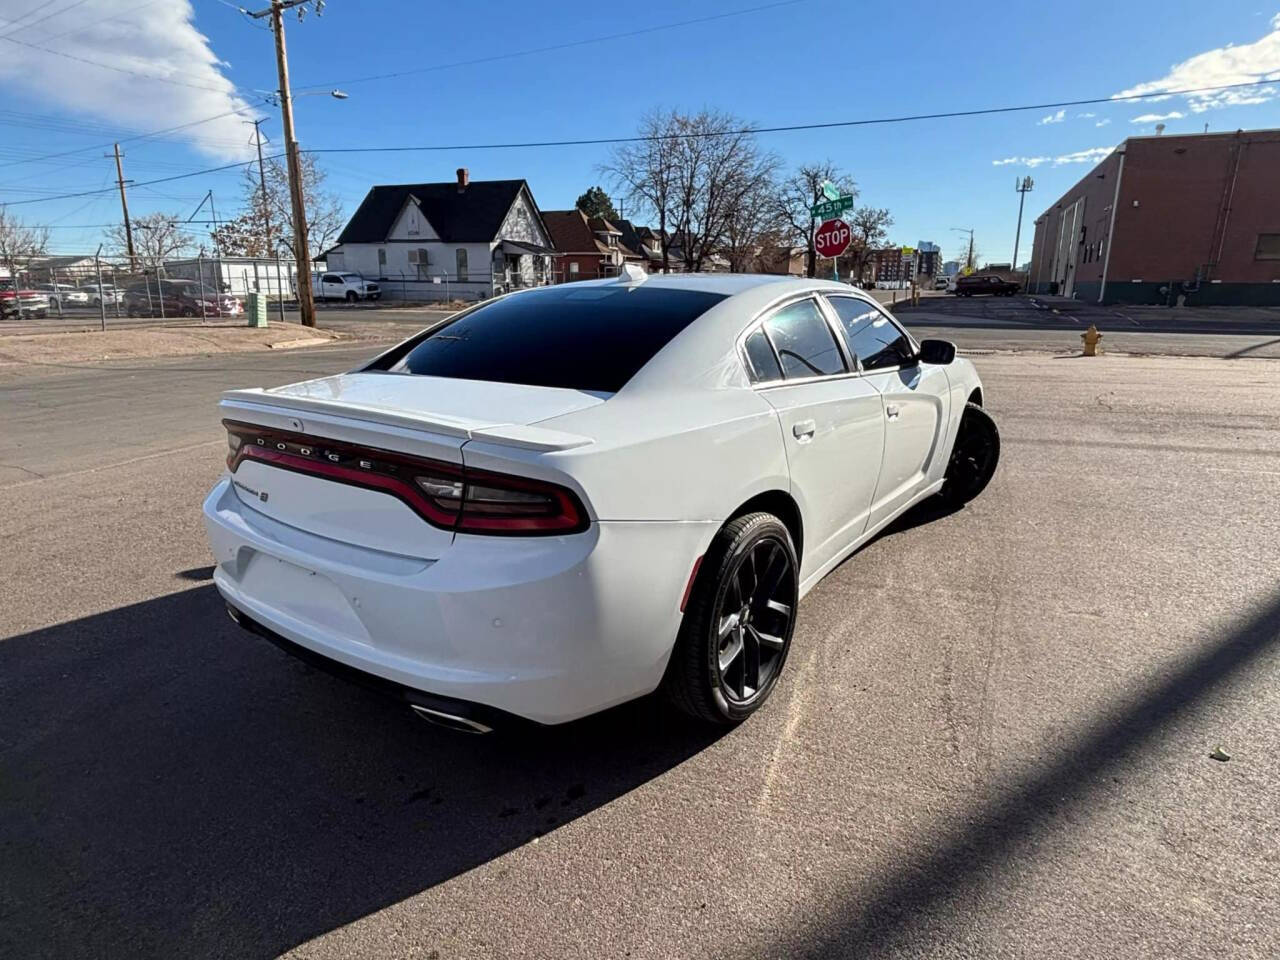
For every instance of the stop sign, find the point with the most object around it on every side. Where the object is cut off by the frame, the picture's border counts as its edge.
(832, 238)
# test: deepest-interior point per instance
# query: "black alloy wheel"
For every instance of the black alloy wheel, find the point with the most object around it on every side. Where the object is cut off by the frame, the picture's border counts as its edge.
(973, 457)
(738, 626)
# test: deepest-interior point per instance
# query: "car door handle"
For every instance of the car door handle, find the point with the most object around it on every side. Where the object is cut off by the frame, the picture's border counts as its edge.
(802, 430)
(891, 411)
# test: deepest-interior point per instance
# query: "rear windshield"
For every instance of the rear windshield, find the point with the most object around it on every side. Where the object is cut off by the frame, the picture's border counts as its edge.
(579, 337)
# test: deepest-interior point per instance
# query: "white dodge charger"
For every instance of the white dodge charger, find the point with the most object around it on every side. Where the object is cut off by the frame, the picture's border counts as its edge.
(569, 497)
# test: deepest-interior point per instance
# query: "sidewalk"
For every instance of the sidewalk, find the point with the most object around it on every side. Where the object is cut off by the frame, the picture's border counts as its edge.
(81, 346)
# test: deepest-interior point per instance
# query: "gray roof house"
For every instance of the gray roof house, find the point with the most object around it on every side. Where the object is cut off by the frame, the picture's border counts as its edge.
(460, 239)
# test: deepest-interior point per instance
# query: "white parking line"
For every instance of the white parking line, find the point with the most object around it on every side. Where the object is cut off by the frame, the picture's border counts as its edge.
(1123, 316)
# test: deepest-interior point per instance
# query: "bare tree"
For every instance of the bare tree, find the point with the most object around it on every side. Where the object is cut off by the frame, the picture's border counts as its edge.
(754, 223)
(870, 226)
(18, 241)
(272, 214)
(701, 175)
(800, 191)
(644, 171)
(157, 237)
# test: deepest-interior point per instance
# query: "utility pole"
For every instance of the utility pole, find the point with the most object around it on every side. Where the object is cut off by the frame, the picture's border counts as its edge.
(262, 181)
(124, 206)
(1023, 187)
(306, 304)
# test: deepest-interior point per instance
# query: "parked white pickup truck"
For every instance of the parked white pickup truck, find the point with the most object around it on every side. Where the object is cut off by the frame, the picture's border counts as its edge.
(344, 286)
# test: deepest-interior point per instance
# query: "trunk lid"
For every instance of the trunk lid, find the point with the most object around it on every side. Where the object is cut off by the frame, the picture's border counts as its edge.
(422, 417)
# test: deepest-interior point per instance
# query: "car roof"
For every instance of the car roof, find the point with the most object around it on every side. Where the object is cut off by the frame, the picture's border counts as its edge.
(726, 284)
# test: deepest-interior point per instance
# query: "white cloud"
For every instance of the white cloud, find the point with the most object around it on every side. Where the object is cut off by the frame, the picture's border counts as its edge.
(1085, 116)
(1103, 122)
(1157, 117)
(1092, 155)
(1052, 118)
(138, 45)
(1248, 64)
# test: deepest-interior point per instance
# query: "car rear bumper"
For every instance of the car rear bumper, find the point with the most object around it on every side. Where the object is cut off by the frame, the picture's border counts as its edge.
(546, 628)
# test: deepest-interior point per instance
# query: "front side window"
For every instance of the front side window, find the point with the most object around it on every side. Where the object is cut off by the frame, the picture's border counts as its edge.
(804, 342)
(874, 339)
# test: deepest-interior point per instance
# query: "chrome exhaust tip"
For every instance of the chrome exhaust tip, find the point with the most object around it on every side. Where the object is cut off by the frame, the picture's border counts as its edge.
(449, 720)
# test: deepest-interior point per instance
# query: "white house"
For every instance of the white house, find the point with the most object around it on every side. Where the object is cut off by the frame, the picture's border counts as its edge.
(424, 241)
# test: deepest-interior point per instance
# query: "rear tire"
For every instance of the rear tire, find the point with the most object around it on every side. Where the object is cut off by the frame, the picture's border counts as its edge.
(737, 629)
(974, 456)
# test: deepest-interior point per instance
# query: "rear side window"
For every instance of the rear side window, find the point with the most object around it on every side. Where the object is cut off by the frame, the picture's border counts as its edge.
(764, 365)
(578, 337)
(872, 337)
(804, 342)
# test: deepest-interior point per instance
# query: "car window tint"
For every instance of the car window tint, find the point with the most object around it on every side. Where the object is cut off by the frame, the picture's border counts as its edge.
(764, 365)
(575, 336)
(873, 338)
(804, 342)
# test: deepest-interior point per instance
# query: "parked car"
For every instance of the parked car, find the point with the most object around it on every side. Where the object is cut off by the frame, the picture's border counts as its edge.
(985, 283)
(181, 298)
(63, 295)
(17, 302)
(568, 497)
(108, 293)
(941, 283)
(344, 286)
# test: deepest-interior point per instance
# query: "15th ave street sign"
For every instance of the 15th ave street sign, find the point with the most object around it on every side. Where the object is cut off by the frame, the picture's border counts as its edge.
(827, 209)
(832, 238)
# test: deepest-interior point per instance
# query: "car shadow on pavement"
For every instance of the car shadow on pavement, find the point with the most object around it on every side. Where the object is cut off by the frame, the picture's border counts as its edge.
(885, 912)
(172, 786)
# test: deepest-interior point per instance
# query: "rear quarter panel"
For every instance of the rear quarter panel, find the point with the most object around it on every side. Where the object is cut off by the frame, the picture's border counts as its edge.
(680, 455)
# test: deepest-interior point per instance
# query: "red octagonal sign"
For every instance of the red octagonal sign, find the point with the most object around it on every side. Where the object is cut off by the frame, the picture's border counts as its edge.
(832, 238)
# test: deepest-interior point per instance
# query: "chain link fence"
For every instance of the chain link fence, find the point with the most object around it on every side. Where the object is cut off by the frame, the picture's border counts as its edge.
(81, 288)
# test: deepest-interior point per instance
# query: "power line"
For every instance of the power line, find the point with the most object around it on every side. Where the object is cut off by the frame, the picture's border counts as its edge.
(789, 128)
(47, 16)
(141, 183)
(985, 111)
(533, 51)
(108, 66)
(140, 136)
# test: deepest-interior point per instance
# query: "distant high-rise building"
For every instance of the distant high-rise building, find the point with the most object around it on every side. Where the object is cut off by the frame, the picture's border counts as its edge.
(928, 259)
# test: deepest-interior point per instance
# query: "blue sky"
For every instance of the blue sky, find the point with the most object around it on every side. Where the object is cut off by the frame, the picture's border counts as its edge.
(808, 61)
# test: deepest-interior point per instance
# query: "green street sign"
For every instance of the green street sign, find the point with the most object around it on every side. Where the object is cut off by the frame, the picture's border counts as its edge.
(830, 190)
(830, 209)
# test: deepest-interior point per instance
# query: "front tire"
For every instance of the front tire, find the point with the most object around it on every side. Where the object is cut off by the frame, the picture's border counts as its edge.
(352, 296)
(737, 629)
(974, 456)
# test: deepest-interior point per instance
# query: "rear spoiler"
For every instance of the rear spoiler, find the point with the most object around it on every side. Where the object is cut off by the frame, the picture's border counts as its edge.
(242, 404)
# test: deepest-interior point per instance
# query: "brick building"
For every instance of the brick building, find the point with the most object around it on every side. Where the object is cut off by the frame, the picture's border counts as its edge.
(890, 266)
(1166, 217)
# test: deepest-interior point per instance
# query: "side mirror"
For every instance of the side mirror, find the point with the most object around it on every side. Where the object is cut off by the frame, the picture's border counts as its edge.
(940, 352)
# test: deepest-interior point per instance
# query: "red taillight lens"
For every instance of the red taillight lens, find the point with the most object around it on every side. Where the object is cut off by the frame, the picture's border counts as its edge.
(444, 494)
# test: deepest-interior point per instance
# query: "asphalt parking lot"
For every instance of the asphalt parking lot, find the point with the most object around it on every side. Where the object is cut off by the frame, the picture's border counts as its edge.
(992, 739)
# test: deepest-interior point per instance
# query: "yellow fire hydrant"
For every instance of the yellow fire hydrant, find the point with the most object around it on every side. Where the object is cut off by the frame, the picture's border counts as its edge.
(1092, 341)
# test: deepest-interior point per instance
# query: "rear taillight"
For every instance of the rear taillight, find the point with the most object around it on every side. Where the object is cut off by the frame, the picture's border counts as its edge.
(446, 495)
